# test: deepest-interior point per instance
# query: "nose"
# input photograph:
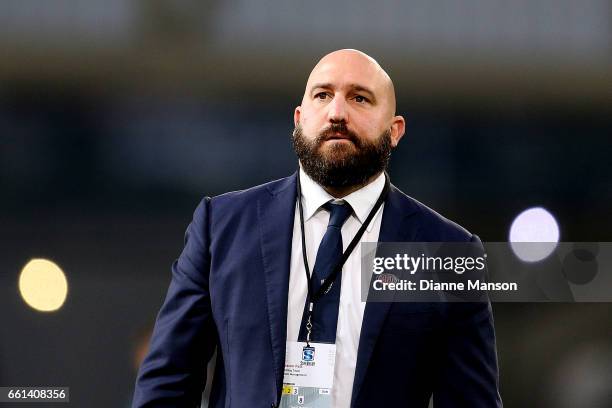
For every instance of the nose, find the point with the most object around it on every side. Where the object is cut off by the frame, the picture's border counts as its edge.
(337, 110)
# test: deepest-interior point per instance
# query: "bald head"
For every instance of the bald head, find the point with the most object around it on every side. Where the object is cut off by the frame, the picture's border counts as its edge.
(357, 68)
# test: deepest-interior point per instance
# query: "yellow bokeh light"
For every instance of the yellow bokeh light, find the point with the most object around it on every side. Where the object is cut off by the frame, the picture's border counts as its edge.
(43, 285)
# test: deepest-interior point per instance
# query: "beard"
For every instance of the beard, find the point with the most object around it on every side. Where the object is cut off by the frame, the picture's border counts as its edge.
(342, 164)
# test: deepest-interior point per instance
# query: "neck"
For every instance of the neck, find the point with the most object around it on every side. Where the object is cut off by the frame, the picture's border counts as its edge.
(341, 192)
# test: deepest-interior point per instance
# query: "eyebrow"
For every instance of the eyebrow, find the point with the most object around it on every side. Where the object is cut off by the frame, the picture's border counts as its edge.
(354, 87)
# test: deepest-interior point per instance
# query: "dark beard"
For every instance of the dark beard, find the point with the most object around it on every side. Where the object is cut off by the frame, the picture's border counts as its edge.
(343, 165)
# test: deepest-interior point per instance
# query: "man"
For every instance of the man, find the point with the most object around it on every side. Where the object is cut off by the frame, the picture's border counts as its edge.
(240, 285)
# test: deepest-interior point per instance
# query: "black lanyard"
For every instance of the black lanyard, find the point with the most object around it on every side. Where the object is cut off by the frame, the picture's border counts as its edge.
(312, 298)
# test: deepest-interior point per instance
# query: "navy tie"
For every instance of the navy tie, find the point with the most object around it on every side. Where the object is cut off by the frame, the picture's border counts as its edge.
(325, 313)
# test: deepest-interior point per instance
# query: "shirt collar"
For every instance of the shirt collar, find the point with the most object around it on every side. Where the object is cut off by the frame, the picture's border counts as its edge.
(362, 201)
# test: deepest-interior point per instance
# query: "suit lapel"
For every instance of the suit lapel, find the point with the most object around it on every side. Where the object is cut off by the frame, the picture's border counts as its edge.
(276, 213)
(398, 225)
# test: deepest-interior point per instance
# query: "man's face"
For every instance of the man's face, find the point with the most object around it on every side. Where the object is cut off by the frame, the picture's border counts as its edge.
(345, 126)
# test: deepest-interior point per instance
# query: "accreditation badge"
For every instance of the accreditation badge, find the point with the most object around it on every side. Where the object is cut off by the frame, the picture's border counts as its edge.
(309, 375)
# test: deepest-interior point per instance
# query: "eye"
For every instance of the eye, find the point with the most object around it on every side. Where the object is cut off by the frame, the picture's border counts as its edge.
(321, 96)
(361, 99)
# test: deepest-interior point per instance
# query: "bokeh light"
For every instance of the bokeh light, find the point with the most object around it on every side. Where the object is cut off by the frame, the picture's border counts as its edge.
(43, 285)
(534, 234)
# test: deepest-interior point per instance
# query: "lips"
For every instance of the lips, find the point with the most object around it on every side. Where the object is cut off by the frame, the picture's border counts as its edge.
(338, 136)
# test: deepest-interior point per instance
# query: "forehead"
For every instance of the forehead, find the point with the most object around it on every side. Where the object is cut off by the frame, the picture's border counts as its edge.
(347, 71)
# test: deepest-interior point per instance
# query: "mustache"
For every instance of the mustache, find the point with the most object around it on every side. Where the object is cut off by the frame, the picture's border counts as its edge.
(331, 130)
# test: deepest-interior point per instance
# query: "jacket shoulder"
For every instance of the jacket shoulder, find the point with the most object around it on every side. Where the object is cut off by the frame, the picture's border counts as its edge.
(235, 202)
(434, 226)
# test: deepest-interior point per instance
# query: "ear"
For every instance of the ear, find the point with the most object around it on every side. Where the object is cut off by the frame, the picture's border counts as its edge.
(296, 115)
(398, 127)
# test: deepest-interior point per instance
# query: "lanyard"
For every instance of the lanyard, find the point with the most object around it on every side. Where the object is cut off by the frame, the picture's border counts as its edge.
(326, 285)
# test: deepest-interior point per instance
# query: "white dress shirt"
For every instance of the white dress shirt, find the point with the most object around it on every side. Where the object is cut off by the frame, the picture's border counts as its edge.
(350, 314)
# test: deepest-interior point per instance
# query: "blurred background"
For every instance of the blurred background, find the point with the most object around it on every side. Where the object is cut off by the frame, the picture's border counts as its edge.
(116, 117)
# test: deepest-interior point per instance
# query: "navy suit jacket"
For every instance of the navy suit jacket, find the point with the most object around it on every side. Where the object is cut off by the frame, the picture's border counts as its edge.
(229, 292)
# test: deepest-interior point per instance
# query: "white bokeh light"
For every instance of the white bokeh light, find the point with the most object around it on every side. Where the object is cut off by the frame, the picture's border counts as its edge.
(43, 285)
(534, 225)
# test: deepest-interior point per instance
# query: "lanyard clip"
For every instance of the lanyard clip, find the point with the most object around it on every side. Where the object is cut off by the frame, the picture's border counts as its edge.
(309, 323)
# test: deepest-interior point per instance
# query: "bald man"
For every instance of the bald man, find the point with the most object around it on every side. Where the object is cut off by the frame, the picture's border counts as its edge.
(270, 278)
